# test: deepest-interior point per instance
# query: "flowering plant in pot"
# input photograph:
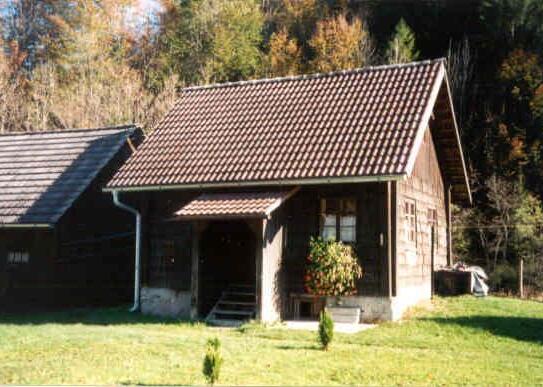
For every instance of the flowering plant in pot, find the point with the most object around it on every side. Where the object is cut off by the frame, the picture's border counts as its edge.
(332, 269)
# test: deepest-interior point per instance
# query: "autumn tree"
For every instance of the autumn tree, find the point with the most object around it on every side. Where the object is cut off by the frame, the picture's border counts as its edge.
(86, 77)
(298, 18)
(285, 54)
(339, 44)
(402, 46)
(29, 24)
(12, 85)
(517, 134)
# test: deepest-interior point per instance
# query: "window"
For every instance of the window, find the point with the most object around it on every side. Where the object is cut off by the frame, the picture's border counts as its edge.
(338, 219)
(410, 215)
(18, 257)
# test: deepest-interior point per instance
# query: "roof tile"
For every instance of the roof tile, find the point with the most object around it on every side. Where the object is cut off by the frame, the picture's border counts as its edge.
(43, 173)
(239, 204)
(351, 123)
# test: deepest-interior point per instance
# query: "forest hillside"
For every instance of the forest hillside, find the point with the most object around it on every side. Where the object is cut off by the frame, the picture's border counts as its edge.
(88, 63)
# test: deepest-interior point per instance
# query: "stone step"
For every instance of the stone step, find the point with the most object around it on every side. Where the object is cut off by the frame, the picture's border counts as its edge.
(226, 304)
(232, 312)
(244, 286)
(239, 293)
(237, 303)
(349, 315)
(225, 322)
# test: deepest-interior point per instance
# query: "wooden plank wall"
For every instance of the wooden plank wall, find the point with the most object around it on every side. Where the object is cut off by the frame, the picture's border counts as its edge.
(157, 209)
(26, 283)
(272, 287)
(86, 259)
(301, 221)
(303, 211)
(426, 188)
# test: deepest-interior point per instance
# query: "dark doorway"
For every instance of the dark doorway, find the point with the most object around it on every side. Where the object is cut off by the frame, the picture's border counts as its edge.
(227, 258)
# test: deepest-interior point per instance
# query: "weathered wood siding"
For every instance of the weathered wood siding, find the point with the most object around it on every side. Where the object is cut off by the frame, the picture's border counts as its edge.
(25, 283)
(272, 288)
(426, 188)
(86, 259)
(157, 209)
(303, 212)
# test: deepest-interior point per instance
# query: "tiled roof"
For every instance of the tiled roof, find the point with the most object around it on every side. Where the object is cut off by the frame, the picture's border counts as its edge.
(240, 204)
(43, 173)
(357, 123)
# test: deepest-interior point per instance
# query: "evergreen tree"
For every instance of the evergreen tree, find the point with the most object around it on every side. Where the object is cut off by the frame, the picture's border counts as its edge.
(212, 40)
(326, 329)
(236, 42)
(402, 46)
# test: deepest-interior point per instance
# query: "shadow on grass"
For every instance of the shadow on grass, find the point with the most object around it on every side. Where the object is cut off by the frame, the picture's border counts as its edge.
(299, 347)
(87, 316)
(519, 328)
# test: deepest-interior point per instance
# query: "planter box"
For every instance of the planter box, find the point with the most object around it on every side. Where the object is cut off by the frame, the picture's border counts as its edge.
(344, 314)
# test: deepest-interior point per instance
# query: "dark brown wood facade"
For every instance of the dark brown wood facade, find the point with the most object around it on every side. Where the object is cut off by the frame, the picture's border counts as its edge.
(85, 259)
(167, 243)
(397, 248)
(426, 190)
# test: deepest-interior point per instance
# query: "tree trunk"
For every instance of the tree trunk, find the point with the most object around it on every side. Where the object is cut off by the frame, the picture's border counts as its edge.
(521, 277)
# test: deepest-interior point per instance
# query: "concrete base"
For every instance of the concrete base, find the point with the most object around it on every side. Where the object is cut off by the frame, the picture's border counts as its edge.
(165, 302)
(373, 308)
(384, 308)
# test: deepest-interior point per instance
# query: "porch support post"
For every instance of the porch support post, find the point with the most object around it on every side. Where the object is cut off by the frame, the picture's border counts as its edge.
(194, 276)
(259, 256)
(449, 225)
(390, 237)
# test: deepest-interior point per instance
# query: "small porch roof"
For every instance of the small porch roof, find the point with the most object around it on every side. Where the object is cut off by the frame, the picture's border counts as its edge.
(234, 205)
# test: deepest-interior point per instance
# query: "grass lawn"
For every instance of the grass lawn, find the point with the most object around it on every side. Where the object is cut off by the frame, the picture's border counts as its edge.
(458, 340)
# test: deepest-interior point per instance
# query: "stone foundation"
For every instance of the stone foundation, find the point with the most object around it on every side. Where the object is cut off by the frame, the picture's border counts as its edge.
(373, 308)
(165, 302)
(409, 296)
(385, 308)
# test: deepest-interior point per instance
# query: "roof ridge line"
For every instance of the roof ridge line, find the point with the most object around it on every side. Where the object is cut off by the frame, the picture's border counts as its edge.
(312, 76)
(71, 130)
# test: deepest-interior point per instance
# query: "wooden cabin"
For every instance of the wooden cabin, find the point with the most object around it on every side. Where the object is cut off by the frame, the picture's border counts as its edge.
(237, 177)
(62, 241)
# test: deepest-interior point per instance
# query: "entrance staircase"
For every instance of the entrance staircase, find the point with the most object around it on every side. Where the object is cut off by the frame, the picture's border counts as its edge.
(236, 305)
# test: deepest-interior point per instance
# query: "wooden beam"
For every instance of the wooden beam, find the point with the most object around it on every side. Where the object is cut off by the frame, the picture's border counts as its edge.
(197, 228)
(259, 257)
(390, 237)
(449, 224)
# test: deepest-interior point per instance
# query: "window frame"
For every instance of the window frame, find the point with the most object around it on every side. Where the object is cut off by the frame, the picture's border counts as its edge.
(410, 221)
(15, 257)
(340, 214)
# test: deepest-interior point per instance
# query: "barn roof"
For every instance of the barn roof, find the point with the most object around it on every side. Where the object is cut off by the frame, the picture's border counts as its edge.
(43, 173)
(359, 125)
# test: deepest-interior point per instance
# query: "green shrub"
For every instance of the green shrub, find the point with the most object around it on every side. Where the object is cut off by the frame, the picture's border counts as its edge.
(332, 268)
(212, 361)
(503, 277)
(326, 329)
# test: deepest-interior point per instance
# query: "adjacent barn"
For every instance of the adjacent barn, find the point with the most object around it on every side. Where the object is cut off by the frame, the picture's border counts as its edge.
(237, 177)
(62, 241)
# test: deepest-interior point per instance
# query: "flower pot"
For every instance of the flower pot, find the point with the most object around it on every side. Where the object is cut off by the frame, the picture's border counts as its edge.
(344, 314)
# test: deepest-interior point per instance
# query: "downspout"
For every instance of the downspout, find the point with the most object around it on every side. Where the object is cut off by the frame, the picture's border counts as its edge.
(137, 258)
